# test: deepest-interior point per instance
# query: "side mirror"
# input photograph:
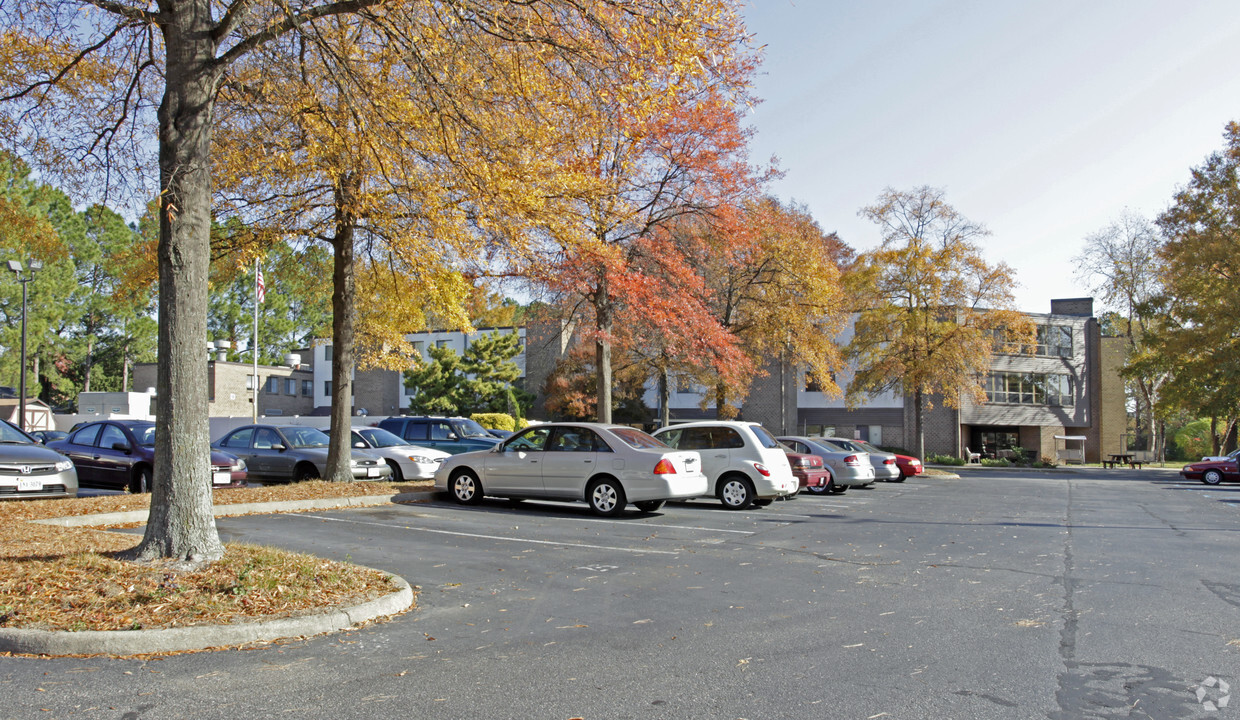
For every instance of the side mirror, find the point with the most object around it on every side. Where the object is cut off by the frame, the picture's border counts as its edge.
(122, 447)
(453, 436)
(277, 447)
(360, 444)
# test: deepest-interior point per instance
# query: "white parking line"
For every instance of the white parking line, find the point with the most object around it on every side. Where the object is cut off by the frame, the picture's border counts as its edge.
(489, 537)
(628, 523)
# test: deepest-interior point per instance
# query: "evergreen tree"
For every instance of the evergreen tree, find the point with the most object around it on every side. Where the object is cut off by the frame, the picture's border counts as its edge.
(435, 385)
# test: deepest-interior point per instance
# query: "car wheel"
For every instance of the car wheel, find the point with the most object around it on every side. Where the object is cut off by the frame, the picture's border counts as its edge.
(736, 493)
(1212, 477)
(141, 481)
(839, 489)
(466, 488)
(649, 506)
(606, 497)
(902, 478)
(304, 472)
(397, 475)
(824, 489)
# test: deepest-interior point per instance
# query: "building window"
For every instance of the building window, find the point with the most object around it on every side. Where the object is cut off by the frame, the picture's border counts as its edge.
(273, 385)
(307, 387)
(290, 386)
(327, 353)
(684, 384)
(419, 348)
(327, 388)
(442, 343)
(1054, 341)
(1029, 388)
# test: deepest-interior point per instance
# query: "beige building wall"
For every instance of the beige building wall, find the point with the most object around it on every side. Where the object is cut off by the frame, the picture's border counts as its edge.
(228, 393)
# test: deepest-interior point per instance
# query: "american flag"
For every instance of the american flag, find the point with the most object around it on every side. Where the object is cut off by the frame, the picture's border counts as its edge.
(260, 288)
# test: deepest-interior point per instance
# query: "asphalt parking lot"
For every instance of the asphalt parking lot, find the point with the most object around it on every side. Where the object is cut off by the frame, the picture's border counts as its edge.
(1065, 595)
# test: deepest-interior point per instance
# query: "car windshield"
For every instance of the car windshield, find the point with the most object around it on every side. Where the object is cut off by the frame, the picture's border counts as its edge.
(10, 434)
(638, 439)
(849, 445)
(870, 448)
(469, 428)
(766, 439)
(828, 446)
(144, 433)
(305, 436)
(378, 437)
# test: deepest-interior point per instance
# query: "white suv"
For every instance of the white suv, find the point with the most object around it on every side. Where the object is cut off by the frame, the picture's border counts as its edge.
(744, 464)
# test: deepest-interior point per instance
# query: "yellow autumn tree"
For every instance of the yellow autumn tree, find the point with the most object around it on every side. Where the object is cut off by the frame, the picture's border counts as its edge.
(929, 306)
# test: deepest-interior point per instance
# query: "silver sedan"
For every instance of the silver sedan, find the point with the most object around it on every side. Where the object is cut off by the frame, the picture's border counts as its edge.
(607, 466)
(849, 468)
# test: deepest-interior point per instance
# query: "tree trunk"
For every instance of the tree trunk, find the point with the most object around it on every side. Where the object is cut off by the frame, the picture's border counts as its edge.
(919, 436)
(665, 399)
(338, 450)
(181, 525)
(90, 361)
(602, 351)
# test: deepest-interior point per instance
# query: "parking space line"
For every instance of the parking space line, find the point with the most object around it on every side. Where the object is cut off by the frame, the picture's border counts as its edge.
(628, 523)
(489, 537)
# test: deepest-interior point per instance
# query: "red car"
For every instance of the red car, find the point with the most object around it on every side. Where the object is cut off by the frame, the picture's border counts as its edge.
(908, 465)
(1212, 472)
(808, 470)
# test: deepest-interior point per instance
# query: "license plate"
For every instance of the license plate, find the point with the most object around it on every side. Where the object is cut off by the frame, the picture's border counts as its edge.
(372, 472)
(29, 485)
(221, 478)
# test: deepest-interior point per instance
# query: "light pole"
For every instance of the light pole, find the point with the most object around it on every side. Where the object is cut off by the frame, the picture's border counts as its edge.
(16, 267)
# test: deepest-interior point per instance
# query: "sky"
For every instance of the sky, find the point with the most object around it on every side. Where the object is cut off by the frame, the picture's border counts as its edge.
(1043, 121)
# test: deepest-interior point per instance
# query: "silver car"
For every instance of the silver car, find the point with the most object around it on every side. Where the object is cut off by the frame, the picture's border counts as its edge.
(607, 466)
(30, 471)
(884, 463)
(293, 453)
(849, 468)
(408, 462)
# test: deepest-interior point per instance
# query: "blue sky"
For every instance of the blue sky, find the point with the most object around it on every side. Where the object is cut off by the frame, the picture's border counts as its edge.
(1041, 120)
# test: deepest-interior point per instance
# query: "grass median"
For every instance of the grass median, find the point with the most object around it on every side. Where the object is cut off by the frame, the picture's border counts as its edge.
(56, 578)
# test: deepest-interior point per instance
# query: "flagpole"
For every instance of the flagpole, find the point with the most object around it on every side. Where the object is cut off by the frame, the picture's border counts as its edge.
(254, 347)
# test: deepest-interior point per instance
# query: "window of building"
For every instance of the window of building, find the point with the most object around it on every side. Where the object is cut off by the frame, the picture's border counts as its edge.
(290, 386)
(1029, 388)
(307, 387)
(273, 385)
(442, 343)
(419, 348)
(327, 353)
(683, 384)
(327, 388)
(1054, 341)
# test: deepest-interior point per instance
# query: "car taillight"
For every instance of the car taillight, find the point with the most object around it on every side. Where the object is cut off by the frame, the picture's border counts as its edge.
(665, 467)
(889, 461)
(804, 462)
(852, 460)
(762, 469)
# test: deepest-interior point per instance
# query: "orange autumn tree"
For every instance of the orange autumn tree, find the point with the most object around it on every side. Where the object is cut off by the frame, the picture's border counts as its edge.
(929, 306)
(675, 151)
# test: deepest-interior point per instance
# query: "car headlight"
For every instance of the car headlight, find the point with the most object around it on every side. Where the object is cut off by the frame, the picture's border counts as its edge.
(238, 465)
(422, 460)
(64, 465)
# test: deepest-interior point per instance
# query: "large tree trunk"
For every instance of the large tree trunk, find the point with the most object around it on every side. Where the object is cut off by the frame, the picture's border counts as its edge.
(602, 350)
(181, 524)
(338, 451)
(919, 435)
(665, 399)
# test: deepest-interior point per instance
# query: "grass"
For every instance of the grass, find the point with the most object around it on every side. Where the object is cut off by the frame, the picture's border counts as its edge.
(55, 578)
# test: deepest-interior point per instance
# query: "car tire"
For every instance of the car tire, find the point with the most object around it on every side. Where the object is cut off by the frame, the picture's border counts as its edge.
(902, 478)
(304, 472)
(397, 475)
(465, 487)
(839, 489)
(735, 492)
(606, 497)
(1212, 477)
(649, 506)
(824, 489)
(141, 481)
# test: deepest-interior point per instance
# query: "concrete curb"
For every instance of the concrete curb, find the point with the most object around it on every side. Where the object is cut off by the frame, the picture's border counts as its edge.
(201, 637)
(140, 516)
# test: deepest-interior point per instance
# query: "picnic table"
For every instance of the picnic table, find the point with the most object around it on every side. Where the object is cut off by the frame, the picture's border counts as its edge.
(1118, 459)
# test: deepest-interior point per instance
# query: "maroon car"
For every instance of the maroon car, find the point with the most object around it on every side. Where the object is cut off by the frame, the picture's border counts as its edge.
(808, 470)
(1212, 472)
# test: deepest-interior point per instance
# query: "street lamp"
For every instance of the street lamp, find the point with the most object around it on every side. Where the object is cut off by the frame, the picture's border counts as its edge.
(16, 267)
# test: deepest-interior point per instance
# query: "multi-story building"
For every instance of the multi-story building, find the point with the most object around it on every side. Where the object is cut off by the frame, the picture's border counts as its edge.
(283, 389)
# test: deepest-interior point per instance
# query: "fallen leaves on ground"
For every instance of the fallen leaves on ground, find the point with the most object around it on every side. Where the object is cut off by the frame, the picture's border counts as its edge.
(69, 579)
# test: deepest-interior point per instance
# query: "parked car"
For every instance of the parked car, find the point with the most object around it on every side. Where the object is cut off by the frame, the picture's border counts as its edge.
(408, 462)
(744, 464)
(120, 455)
(885, 467)
(45, 436)
(809, 471)
(30, 471)
(848, 468)
(1229, 456)
(450, 434)
(908, 465)
(1212, 472)
(607, 466)
(293, 453)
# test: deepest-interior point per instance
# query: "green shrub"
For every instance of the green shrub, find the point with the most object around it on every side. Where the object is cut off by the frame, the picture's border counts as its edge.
(996, 462)
(495, 421)
(944, 460)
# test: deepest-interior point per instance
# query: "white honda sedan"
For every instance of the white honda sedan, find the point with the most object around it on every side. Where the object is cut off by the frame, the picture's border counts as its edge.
(607, 466)
(408, 462)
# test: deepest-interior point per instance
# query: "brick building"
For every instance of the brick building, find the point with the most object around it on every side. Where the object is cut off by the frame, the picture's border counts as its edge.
(283, 389)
